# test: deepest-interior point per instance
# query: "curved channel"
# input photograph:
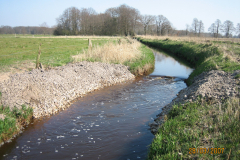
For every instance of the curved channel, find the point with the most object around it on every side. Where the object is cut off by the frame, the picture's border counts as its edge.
(111, 123)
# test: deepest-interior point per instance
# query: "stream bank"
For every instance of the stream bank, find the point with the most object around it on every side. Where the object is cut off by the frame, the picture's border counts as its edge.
(111, 123)
(213, 87)
(206, 113)
(47, 92)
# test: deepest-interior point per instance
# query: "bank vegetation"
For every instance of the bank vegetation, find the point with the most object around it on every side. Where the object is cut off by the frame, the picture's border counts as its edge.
(127, 51)
(200, 129)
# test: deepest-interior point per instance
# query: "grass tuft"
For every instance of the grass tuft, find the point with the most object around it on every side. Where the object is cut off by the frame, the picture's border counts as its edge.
(111, 53)
(12, 121)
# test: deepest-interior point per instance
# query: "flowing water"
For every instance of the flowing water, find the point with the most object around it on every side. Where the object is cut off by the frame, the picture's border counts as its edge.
(111, 123)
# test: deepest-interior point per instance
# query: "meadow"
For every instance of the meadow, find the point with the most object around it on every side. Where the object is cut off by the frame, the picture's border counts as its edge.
(21, 51)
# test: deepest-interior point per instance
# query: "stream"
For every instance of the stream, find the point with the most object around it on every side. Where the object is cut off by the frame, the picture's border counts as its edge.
(111, 123)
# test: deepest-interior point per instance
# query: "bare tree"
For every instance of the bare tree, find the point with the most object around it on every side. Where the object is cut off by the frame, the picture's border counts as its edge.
(44, 27)
(123, 20)
(212, 29)
(6, 30)
(200, 28)
(187, 29)
(74, 16)
(195, 25)
(228, 28)
(127, 17)
(86, 18)
(162, 24)
(218, 27)
(238, 29)
(146, 20)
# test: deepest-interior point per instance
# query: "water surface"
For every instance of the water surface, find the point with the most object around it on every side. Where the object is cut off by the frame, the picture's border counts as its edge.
(167, 66)
(108, 124)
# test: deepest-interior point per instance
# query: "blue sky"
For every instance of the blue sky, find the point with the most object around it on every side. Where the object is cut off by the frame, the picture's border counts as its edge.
(179, 12)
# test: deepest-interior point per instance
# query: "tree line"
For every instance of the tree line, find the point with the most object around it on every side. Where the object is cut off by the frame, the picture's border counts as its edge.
(126, 20)
(41, 29)
(122, 20)
(227, 28)
(217, 29)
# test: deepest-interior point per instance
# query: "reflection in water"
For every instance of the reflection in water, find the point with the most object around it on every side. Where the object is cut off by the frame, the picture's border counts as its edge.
(168, 66)
(108, 124)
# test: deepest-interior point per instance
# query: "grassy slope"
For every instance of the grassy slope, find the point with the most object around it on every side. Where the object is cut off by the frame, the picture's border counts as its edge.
(204, 57)
(197, 124)
(143, 65)
(13, 121)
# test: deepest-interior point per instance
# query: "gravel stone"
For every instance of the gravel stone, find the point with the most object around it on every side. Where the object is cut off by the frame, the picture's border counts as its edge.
(213, 86)
(48, 91)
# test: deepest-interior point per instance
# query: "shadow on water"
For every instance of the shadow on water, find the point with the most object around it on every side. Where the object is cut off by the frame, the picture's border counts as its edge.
(111, 123)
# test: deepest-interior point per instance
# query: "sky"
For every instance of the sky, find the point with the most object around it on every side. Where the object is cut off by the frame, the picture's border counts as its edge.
(179, 12)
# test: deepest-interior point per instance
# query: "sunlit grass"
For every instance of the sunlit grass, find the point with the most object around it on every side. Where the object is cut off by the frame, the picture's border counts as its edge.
(13, 120)
(194, 39)
(203, 56)
(129, 52)
(112, 52)
(54, 51)
(199, 125)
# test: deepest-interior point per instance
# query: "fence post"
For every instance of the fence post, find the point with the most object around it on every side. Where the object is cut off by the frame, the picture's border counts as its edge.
(38, 57)
(89, 45)
(120, 41)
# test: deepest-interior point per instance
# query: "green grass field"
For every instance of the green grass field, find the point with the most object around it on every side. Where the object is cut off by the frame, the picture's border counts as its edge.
(54, 51)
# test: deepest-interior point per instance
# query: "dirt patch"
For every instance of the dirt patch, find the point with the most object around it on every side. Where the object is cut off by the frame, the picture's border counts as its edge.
(16, 68)
(4, 76)
(52, 90)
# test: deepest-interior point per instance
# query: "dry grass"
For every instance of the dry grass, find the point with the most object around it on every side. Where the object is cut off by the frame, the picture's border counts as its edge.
(229, 46)
(112, 52)
(228, 52)
(192, 39)
(144, 70)
(65, 36)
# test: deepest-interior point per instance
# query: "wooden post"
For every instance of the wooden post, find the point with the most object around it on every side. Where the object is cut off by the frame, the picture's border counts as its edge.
(119, 41)
(38, 57)
(89, 45)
